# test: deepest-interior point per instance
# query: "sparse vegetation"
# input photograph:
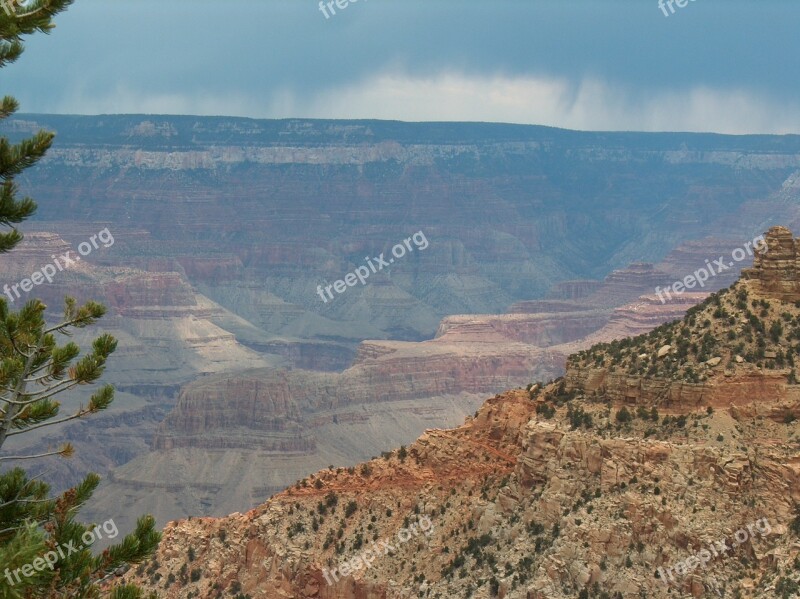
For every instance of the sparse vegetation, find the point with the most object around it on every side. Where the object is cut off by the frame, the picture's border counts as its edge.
(723, 326)
(623, 415)
(545, 410)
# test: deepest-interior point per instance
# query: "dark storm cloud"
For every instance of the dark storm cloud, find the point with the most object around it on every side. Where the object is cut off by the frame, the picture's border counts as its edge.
(587, 63)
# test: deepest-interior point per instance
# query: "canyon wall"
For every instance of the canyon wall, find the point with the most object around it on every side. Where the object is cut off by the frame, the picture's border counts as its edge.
(540, 241)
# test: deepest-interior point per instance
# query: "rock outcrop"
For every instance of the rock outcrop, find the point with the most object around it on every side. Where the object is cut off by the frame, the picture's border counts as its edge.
(519, 503)
(743, 353)
(776, 272)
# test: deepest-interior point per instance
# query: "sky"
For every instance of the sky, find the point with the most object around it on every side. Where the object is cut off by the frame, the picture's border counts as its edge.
(727, 66)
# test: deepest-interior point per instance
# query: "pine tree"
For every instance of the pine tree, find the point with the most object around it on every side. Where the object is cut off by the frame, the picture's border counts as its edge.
(44, 551)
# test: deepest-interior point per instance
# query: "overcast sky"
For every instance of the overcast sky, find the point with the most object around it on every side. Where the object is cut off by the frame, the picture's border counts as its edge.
(714, 65)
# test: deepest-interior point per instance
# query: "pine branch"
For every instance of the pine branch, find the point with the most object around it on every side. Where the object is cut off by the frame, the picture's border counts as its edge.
(6, 423)
(14, 159)
(81, 317)
(99, 401)
(8, 106)
(19, 493)
(65, 451)
(45, 393)
(38, 16)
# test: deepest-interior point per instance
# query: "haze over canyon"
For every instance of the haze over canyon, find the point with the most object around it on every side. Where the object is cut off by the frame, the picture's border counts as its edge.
(238, 380)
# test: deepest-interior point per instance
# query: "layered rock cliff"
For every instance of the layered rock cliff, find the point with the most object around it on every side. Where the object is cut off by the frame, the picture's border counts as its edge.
(259, 430)
(527, 500)
(224, 229)
(776, 273)
(662, 463)
(250, 448)
(167, 337)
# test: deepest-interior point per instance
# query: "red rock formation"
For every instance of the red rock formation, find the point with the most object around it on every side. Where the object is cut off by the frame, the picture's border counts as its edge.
(776, 273)
(568, 509)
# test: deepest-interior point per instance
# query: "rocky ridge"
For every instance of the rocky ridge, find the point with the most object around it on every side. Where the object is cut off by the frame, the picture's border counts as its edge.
(739, 341)
(567, 489)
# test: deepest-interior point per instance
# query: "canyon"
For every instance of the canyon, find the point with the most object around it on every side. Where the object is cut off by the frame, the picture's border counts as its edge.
(234, 379)
(600, 483)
